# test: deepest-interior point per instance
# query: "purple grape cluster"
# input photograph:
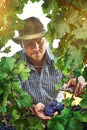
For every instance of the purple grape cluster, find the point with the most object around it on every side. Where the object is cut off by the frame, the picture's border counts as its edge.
(5, 127)
(53, 107)
(77, 108)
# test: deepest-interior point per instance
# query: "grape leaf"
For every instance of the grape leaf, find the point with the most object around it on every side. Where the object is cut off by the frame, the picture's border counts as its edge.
(7, 63)
(74, 125)
(24, 100)
(15, 114)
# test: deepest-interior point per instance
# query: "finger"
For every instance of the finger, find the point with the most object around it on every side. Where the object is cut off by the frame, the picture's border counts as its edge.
(55, 113)
(71, 82)
(42, 116)
(39, 107)
(80, 89)
(46, 118)
(32, 110)
(76, 89)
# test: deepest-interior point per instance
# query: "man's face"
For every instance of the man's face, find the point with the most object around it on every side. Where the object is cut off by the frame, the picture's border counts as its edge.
(35, 48)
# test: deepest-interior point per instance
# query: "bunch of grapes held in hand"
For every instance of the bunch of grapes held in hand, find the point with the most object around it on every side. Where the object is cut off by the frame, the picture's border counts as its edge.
(53, 107)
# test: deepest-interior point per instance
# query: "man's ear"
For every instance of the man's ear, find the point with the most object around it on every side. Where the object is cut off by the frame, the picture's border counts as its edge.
(22, 44)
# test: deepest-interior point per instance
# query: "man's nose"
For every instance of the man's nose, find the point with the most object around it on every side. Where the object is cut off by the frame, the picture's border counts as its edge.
(36, 45)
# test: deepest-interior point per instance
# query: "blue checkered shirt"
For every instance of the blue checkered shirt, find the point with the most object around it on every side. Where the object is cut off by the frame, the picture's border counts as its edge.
(41, 87)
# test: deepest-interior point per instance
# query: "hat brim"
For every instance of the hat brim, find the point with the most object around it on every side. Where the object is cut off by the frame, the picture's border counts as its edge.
(18, 39)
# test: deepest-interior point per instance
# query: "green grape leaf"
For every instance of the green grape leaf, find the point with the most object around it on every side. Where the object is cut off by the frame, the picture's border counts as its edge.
(68, 101)
(66, 112)
(58, 86)
(85, 73)
(5, 100)
(3, 75)
(3, 109)
(23, 70)
(7, 49)
(24, 100)
(8, 64)
(16, 86)
(1, 91)
(82, 117)
(83, 101)
(73, 17)
(63, 28)
(55, 124)
(80, 32)
(35, 123)
(15, 114)
(74, 125)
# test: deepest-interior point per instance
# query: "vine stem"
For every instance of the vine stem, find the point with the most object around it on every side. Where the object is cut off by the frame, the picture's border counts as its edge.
(69, 75)
(75, 86)
(5, 121)
(64, 98)
(4, 117)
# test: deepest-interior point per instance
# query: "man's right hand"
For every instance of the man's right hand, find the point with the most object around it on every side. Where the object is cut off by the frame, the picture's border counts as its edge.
(38, 110)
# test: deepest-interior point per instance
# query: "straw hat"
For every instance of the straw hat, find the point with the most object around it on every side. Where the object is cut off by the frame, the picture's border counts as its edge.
(33, 28)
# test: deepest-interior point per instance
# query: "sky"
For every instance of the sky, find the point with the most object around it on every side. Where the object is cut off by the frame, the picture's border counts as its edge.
(30, 9)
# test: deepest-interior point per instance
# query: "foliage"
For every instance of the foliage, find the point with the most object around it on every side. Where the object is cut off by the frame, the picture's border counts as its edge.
(9, 21)
(13, 100)
(71, 119)
(67, 120)
(68, 22)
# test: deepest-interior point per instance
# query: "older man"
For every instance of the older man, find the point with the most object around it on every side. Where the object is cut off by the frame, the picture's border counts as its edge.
(43, 76)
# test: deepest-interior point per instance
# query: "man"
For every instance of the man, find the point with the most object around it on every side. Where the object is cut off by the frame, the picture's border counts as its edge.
(43, 76)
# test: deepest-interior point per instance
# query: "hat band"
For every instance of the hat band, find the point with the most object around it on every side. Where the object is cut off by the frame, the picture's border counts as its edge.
(28, 37)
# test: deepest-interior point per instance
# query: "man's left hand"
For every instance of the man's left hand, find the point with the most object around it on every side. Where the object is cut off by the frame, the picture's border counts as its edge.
(78, 84)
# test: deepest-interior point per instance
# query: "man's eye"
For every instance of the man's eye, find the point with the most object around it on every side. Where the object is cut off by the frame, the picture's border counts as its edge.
(29, 44)
(40, 41)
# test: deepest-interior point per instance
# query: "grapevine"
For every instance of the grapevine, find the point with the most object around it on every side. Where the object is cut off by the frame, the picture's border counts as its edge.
(4, 125)
(55, 106)
(63, 112)
(68, 22)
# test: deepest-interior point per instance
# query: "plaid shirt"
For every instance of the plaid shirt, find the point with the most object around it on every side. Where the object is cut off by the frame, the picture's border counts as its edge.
(41, 87)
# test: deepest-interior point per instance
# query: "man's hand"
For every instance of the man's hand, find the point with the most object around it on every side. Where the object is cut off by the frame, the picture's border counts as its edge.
(78, 84)
(38, 110)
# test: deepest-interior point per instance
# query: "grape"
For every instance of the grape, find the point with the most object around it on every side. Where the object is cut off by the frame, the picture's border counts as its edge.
(6, 127)
(59, 107)
(8, 117)
(9, 127)
(53, 107)
(48, 111)
(53, 103)
(2, 124)
(76, 108)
